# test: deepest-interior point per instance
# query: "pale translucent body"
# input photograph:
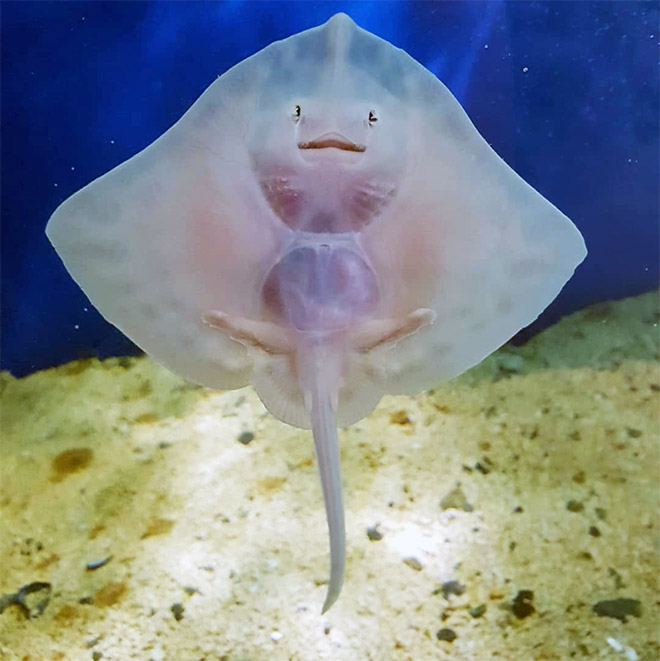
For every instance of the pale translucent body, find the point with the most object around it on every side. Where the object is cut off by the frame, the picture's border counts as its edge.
(327, 224)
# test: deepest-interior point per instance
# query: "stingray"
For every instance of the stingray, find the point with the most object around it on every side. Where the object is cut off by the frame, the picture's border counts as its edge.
(326, 224)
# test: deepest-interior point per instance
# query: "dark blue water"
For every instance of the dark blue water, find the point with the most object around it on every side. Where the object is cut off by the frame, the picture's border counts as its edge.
(566, 92)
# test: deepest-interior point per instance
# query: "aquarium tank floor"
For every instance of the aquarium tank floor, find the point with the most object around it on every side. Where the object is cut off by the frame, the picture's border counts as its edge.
(511, 513)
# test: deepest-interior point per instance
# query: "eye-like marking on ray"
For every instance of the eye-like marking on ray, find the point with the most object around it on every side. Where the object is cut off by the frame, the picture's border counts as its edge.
(326, 224)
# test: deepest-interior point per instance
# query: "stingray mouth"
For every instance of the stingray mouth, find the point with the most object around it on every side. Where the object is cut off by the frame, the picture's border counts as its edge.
(332, 141)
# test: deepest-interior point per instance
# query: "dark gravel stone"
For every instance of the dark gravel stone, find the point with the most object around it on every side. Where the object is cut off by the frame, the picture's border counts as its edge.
(448, 635)
(477, 611)
(32, 599)
(619, 609)
(522, 604)
(246, 437)
(452, 587)
(374, 534)
(574, 506)
(413, 563)
(177, 610)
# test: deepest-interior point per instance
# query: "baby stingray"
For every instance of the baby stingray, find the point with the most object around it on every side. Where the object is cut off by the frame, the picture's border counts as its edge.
(326, 224)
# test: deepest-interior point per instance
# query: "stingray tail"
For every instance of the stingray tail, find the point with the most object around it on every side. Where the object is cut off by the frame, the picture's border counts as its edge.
(321, 388)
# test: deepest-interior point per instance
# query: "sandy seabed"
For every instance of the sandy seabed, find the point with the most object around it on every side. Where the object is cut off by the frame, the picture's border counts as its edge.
(510, 514)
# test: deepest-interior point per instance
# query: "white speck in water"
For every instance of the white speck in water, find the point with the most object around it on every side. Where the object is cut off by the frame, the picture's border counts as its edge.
(112, 142)
(614, 644)
(276, 636)
(485, 45)
(86, 309)
(73, 167)
(157, 654)
(525, 69)
(55, 185)
(76, 326)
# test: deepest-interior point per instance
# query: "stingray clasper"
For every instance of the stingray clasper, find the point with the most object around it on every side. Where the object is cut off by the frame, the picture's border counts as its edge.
(326, 224)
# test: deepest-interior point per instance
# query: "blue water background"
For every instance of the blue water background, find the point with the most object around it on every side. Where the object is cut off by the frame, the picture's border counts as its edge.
(566, 92)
